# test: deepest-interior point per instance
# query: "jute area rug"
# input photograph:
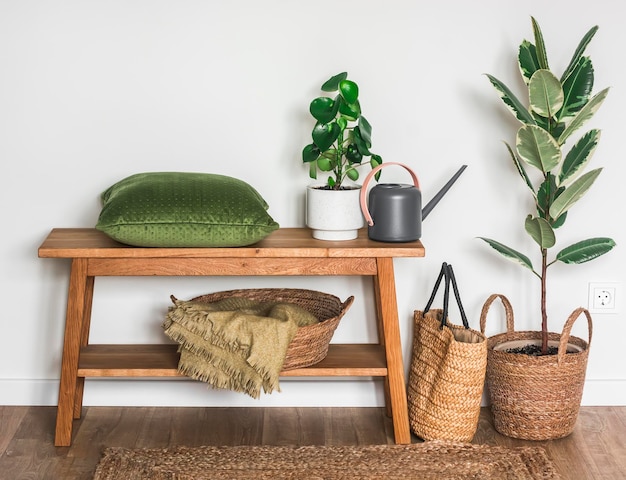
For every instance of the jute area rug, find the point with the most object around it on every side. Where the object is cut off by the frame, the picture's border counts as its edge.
(424, 461)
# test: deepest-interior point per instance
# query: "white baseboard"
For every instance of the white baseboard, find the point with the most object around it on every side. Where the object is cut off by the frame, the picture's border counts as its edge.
(295, 393)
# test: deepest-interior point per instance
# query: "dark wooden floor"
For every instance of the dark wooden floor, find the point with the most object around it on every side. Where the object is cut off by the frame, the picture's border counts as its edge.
(596, 449)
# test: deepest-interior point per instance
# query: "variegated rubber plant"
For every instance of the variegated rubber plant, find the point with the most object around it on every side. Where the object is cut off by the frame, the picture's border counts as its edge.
(558, 107)
(342, 137)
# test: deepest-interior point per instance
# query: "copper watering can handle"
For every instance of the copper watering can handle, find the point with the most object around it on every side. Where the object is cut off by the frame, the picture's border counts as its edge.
(363, 198)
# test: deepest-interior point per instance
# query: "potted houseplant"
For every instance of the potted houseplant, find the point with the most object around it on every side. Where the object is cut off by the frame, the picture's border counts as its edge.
(556, 179)
(341, 144)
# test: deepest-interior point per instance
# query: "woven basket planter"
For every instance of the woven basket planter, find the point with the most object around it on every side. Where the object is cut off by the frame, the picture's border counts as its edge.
(310, 344)
(535, 397)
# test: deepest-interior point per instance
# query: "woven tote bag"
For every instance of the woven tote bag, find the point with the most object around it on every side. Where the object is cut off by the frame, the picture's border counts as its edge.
(447, 372)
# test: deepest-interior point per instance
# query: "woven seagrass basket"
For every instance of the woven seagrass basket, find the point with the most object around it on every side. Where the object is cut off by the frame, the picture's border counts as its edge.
(535, 397)
(310, 344)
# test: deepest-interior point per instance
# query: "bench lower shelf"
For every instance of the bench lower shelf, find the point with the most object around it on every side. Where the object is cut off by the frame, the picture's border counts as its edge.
(346, 360)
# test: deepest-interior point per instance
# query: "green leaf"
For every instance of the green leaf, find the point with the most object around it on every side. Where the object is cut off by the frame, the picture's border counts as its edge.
(540, 45)
(324, 109)
(360, 142)
(573, 193)
(580, 49)
(349, 91)
(545, 93)
(366, 131)
(324, 164)
(313, 169)
(520, 168)
(547, 192)
(540, 231)
(351, 111)
(376, 160)
(353, 155)
(510, 253)
(537, 148)
(583, 115)
(325, 134)
(352, 174)
(527, 60)
(310, 153)
(577, 88)
(511, 101)
(579, 156)
(585, 250)
(332, 84)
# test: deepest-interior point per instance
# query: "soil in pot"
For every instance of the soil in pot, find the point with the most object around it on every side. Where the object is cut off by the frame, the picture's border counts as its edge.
(534, 350)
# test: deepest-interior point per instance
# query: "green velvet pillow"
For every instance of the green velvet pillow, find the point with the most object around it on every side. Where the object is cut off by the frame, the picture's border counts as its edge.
(179, 209)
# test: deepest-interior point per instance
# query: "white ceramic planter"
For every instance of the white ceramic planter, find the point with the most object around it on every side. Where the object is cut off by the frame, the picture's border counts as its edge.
(333, 214)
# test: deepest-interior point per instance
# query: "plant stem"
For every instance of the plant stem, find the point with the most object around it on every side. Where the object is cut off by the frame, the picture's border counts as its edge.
(339, 160)
(544, 313)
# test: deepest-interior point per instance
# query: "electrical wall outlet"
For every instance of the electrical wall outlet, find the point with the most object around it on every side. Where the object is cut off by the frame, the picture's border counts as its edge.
(603, 297)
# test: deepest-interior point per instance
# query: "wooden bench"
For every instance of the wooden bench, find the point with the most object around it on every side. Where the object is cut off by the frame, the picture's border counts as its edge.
(287, 251)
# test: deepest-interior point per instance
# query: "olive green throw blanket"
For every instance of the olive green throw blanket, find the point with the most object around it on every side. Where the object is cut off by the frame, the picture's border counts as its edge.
(236, 343)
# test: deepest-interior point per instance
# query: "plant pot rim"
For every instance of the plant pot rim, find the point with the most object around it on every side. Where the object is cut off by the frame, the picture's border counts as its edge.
(507, 344)
(343, 188)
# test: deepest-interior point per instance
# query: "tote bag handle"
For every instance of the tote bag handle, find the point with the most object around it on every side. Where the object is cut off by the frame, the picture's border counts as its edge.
(447, 274)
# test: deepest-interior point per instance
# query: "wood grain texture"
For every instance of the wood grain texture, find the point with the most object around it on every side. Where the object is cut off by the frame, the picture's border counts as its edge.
(596, 449)
(395, 384)
(91, 243)
(284, 252)
(358, 360)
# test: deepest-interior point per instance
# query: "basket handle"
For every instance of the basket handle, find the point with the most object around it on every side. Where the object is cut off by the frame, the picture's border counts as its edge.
(345, 305)
(567, 328)
(508, 310)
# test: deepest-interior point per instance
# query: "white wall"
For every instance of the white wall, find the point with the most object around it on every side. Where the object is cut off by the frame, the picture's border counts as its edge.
(93, 91)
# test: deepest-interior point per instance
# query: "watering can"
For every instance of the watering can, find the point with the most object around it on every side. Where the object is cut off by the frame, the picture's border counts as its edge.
(395, 211)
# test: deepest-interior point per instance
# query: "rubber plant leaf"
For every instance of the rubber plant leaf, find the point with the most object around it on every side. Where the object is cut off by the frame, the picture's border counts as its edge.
(324, 109)
(579, 156)
(577, 88)
(511, 101)
(546, 194)
(527, 60)
(585, 250)
(580, 49)
(545, 93)
(310, 153)
(325, 134)
(540, 45)
(510, 253)
(332, 84)
(538, 148)
(583, 115)
(520, 168)
(349, 91)
(573, 193)
(540, 231)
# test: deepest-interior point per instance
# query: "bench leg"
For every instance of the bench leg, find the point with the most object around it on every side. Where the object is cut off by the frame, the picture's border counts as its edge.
(79, 292)
(387, 308)
(84, 340)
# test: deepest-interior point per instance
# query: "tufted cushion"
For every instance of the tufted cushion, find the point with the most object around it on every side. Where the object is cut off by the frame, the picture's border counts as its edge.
(179, 209)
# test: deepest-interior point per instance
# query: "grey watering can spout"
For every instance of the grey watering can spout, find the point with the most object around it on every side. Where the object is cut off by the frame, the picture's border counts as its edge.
(435, 200)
